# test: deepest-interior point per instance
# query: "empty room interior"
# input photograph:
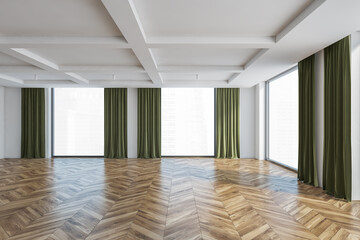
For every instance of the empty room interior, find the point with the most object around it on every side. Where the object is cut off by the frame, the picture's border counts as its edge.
(191, 119)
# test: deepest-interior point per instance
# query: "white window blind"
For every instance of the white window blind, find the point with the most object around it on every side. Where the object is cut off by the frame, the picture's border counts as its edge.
(187, 123)
(283, 119)
(78, 122)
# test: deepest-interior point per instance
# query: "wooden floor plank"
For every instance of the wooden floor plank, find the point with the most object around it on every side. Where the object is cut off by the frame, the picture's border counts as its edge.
(169, 198)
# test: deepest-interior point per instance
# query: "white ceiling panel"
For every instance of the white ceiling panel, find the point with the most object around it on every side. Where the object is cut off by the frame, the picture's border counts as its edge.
(56, 18)
(203, 56)
(88, 56)
(214, 18)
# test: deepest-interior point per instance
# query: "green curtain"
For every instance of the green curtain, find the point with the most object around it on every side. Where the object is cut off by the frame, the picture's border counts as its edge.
(115, 123)
(227, 123)
(149, 123)
(337, 137)
(33, 123)
(307, 169)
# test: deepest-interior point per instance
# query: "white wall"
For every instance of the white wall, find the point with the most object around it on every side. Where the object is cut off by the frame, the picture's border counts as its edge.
(355, 114)
(247, 122)
(2, 122)
(260, 121)
(319, 113)
(132, 122)
(12, 122)
(48, 122)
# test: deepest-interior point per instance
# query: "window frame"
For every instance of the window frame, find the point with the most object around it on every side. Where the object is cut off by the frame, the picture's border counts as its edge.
(267, 107)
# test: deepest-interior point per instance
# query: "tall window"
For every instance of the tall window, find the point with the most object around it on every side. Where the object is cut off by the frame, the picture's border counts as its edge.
(187, 122)
(78, 122)
(283, 119)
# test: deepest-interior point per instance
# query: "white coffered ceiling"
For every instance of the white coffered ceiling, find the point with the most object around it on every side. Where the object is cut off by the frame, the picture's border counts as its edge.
(162, 43)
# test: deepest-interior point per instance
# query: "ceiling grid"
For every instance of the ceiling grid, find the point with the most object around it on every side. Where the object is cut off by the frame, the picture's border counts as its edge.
(161, 43)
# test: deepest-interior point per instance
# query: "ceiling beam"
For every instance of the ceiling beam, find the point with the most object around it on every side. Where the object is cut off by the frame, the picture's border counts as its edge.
(233, 77)
(103, 69)
(21, 69)
(40, 42)
(93, 83)
(32, 58)
(256, 57)
(196, 83)
(126, 18)
(77, 78)
(304, 14)
(133, 84)
(199, 69)
(210, 42)
(282, 34)
(75, 68)
(11, 79)
(43, 63)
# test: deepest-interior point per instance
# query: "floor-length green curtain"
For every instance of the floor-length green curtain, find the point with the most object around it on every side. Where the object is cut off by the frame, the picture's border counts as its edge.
(149, 123)
(227, 123)
(115, 122)
(337, 137)
(33, 123)
(307, 169)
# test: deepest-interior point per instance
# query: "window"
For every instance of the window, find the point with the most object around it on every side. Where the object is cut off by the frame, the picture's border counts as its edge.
(78, 122)
(283, 119)
(187, 118)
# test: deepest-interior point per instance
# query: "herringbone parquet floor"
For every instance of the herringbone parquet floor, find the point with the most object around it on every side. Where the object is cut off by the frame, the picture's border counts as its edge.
(171, 198)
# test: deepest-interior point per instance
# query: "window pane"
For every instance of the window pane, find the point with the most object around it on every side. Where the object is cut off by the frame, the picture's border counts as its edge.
(187, 122)
(283, 120)
(78, 121)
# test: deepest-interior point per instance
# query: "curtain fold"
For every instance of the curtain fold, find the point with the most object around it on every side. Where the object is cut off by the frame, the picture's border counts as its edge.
(337, 136)
(115, 123)
(149, 123)
(227, 123)
(32, 122)
(307, 165)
